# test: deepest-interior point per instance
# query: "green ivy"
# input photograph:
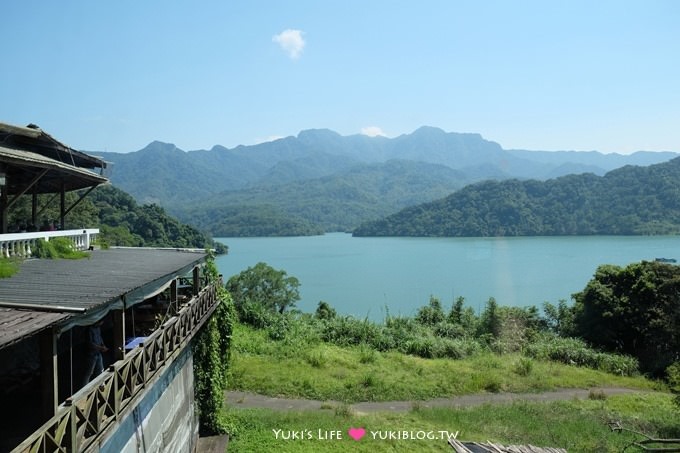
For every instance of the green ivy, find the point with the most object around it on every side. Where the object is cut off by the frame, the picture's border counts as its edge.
(211, 349)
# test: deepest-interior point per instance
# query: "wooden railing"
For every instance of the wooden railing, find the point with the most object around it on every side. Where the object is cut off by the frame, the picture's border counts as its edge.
(22, 244)
(84, 417)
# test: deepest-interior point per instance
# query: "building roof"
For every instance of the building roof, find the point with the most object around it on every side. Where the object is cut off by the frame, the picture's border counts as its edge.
(63, 293)
(31, 158)
(22, 167)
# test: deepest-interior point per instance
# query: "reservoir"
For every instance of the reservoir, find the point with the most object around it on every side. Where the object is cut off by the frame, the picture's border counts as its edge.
(365, 277)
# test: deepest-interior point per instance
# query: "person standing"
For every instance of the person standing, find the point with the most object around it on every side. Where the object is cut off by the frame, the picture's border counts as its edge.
(95, 347)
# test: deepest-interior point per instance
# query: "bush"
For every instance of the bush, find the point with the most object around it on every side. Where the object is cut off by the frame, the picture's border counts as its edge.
(431, 314)
(44, 249)
(574, 351)
(673, 377)
(317, 358)
(449, 330)
(367, 354)
(59, 247)
(347, 331)
(8, 267)
(523, 366)
(256, 315)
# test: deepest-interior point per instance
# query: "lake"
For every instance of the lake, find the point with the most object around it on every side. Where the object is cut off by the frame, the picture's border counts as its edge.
(362, 276)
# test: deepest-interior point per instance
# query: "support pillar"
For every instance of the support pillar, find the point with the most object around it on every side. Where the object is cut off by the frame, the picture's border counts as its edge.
(173, 297)
(118, 334)
(62, 210)
(197, 280)
(49, 373)
(34, 207)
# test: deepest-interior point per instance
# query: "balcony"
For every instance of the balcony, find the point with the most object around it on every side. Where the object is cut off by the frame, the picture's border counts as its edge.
(20, 245)
(84, 419)
(151, 303)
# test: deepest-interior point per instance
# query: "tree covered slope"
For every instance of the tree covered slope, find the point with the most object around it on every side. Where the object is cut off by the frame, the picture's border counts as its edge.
(630, 200)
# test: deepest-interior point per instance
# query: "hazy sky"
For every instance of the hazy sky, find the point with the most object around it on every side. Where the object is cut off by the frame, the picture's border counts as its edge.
(115, 75)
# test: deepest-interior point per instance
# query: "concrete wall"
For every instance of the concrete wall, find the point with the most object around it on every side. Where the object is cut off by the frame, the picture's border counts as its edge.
(165, 418)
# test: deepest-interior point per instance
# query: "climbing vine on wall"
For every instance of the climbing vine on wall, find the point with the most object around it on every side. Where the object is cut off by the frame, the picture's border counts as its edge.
(211, 349)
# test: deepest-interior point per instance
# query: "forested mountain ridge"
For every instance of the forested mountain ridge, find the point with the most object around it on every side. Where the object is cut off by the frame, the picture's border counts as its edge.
(630, 200)
(162, 173)
(332, 203)
(321, 181)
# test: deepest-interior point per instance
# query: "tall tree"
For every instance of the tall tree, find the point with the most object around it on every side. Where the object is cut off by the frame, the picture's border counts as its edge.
(633, 310)
(265, 286)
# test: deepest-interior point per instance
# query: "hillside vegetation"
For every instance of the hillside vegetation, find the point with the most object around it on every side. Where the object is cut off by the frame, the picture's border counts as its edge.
(332, 203)
(322, 181)
(121, 219)
(627, 201)
(444, 352)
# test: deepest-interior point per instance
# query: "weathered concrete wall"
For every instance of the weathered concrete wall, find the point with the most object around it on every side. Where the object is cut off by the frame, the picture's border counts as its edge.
(165, 419)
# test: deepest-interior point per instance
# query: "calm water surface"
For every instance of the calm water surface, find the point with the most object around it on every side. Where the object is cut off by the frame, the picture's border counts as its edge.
(362, 276)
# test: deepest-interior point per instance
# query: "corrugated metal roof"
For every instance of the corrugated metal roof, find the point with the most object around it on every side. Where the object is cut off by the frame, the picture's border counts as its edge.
(32, 138)
(20, 161)
(59, 287)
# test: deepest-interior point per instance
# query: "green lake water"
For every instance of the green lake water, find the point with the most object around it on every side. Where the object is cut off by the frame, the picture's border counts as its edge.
(362, 276)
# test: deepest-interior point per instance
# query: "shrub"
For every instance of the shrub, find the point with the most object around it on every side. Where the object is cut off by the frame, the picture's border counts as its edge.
(59, 247)
(523, 366)
(8, 267)
(346, 330)
(425, 347)
(254, 314)
(367, 354)
(325, 311)
(278, 327)
(673, 377)
(431, 314)
(574, 351)
(449, 330)
(44, 249)
(317, 358)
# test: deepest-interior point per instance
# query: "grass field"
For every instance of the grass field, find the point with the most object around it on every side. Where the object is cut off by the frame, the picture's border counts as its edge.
(579, 426)
(351, 374)
(298, 368)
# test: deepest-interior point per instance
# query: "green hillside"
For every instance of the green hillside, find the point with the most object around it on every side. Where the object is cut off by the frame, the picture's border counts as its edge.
(627, 201)
(332, 203)
(121, 219)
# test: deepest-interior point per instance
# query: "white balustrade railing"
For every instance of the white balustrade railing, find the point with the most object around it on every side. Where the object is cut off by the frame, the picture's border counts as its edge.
(21, 244)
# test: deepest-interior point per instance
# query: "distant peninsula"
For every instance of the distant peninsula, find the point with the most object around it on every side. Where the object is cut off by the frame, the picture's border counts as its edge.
(628, 201)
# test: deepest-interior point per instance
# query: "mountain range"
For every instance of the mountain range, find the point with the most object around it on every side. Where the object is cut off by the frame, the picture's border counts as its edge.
(323, 181)
(632, 200)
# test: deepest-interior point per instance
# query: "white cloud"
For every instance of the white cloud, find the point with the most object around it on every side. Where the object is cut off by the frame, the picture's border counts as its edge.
(372, 131)
(271, 138)
(291, 42)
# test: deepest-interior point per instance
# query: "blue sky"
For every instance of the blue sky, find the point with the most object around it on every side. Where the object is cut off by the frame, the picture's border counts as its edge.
(548, 75)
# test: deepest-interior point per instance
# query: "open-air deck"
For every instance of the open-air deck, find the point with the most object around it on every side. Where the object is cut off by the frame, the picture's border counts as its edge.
(152, 302)
(147, 306)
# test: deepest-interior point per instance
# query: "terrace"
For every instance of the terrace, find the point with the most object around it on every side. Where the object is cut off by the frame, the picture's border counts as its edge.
(152, 303)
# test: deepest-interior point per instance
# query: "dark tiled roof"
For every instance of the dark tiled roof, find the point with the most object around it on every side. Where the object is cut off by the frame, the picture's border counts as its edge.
(54, 290)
